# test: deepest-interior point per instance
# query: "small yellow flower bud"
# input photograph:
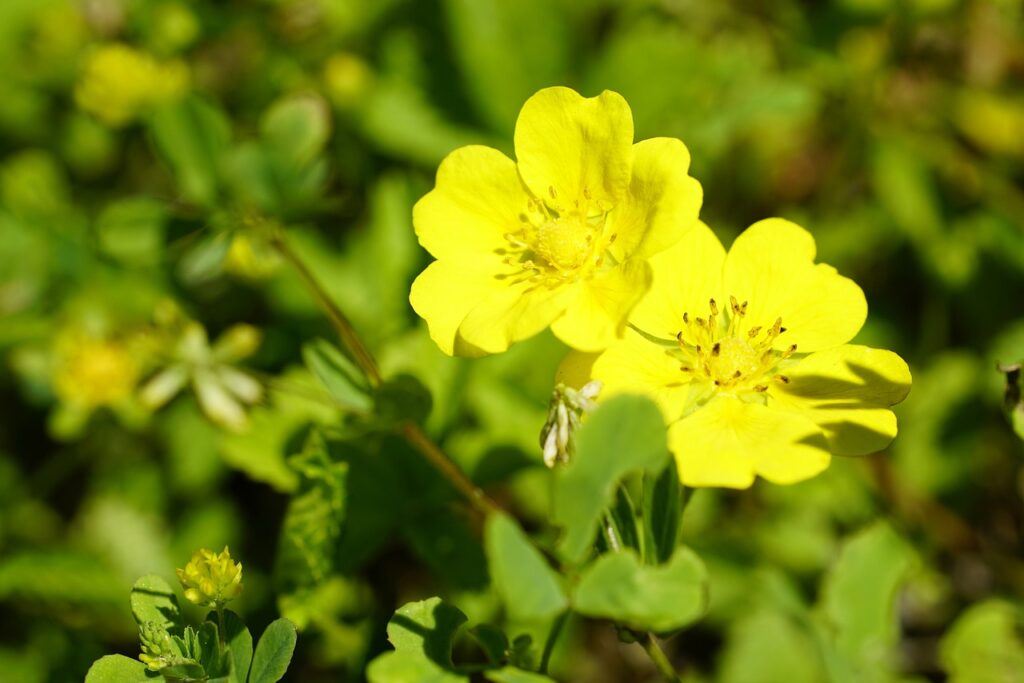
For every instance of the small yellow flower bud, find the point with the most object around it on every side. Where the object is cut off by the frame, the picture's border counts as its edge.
(156, 645)
(209, 579)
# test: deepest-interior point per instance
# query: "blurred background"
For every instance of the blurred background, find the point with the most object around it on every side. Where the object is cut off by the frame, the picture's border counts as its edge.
(141, 139)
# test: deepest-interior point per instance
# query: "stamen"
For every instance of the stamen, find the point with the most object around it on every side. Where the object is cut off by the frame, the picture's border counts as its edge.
(753, 331)
(782, 378)
(714, 307)
(686, 318)
(551, 191)
(716, 349)
(761, 388)
(685, 368)
(586, 193)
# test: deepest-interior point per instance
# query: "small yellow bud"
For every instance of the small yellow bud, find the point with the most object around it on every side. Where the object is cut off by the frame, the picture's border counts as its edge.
(209, 579)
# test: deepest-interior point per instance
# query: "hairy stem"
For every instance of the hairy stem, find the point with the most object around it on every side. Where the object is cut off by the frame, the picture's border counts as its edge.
(416, 437)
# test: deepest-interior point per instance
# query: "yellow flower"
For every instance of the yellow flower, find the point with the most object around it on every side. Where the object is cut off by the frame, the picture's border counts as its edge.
(559, 238)
(746, 354)
(120, 83)
(210, 579)
(92, 372)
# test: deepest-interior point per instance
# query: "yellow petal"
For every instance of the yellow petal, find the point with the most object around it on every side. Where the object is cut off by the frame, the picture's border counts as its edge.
(685, 277)
(509, 314)
(597, 316)
(635, 365)
(443, 295)
(576, 369)
(478, 198)
(847, 391)
(662, 202)
(728, 442)
(574, 144)
(771, 265)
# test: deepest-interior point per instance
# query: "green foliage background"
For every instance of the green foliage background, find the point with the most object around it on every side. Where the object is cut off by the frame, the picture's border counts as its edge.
(892, 129)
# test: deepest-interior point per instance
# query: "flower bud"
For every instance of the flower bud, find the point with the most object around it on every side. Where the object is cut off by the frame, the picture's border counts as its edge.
(565, 414)
(156, 644)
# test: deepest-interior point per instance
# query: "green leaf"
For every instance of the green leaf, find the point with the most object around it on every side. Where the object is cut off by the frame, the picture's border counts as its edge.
(342, 378)
(209, 650)
(192, 136)
(132, 231)
(239, 643)
(492, 641)
(512, 675)
(660, 599)
(296, 128)
(401, 399)
(507, 51)
(152, 599)
(624, 520)
(767, 647)
(118, 669)
(663, 506)
(984, 645)
(625, 434)
(273, 652)
(859, 596)
(522, 577)
(313, 520)
(422, 634)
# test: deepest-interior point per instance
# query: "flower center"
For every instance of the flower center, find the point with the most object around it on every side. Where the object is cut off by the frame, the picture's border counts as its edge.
(557, 243)
(731, 356)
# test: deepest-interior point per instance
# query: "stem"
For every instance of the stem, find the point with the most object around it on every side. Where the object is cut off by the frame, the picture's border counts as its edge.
(352, 341)
(349, 337)
(220, 629)
(657, 656)
(549, 645)
(473, 493)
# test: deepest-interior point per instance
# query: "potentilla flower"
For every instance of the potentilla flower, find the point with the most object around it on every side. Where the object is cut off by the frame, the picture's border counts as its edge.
(91, 372)
(209, 579)
(559, 237)
(746, 354)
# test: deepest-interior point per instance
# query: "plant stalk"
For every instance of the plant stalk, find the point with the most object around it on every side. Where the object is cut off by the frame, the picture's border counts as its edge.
(659, 658)
(549, 644)
(354, 343)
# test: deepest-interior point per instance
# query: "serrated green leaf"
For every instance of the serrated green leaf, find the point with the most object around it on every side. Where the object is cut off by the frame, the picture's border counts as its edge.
(522, 577)
(313, 520)
(119, 669)
(984, 645)
(153, 600)
(663, 505)
(273, 652)
(659, 599)
(625, 434)
(859, 596)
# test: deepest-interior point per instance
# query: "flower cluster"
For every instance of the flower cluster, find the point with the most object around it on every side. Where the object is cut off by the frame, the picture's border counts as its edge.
(746, 352)
(120, 83)
(211, 579)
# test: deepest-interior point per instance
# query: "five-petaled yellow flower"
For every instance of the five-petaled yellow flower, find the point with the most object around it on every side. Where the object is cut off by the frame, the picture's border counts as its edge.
(211, 579)
(559, 237)
(746, 354)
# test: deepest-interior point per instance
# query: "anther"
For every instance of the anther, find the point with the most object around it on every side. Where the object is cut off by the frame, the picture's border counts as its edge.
(612, 238)
(679, 336)
(761, 388)
(753, 331)
(737, 374)
(714, 307)
(715, 349)
(782, 329)
(686, 319)
(782, 378)
(551, 191)
(586, 193)
(684, 368)
(734, 304)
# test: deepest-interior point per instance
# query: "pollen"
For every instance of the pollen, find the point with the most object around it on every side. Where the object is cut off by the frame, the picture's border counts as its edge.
(727, 354)
(555, 244)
